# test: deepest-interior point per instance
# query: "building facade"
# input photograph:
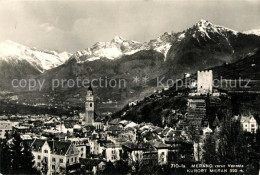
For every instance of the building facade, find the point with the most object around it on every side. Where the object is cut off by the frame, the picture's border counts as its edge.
(204, 82)
(249, 123)
(53, 157)
(113, 152)
(5, 127)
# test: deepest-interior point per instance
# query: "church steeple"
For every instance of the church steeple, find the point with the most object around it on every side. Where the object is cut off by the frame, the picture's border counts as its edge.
(89, 107)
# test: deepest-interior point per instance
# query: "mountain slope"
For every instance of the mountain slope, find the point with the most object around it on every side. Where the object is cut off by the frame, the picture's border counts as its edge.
(201, 46)
(18, 61)
(206, 45)
(41, 60)
(166, 107)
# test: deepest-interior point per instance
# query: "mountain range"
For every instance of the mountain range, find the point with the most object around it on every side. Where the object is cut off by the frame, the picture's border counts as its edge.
(201, 46)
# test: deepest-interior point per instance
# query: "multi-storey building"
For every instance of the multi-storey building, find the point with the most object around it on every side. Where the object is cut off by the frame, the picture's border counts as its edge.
(5, 127)
(113, 152)
(82, 145)
(53, 157)
(249, 123)
(146, 152)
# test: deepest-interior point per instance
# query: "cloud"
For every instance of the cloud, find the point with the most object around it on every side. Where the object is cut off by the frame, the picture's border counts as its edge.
(47, 27)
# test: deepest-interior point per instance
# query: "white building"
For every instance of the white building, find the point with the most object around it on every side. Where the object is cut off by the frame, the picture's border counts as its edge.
(81, 144)
(204, 82)
(54, 156)
(94, 147)
(5, 126)
(249, 123)
(113, 152)
(206, 131)
(146, 152)
(133, 103)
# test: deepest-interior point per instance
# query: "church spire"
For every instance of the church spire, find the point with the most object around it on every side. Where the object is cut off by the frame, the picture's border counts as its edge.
(90, 88)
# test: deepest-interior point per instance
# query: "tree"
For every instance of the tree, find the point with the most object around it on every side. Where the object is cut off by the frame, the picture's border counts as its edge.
(110, 169)
(7, 135)
(209, 154)
(230, 146)
(16, 156)
(122, 167)
(16, 153)
(5, 161)
(27, 159)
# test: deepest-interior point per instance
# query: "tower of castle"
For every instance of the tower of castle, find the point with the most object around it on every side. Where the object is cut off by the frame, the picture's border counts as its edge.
(89, 107)
(204, 82)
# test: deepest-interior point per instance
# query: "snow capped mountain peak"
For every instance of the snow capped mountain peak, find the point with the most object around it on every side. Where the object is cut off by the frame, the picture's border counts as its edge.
(253, 31)
(205, 29)
(11, 51)
(110, 50)
(120, 46)
(205, 26)
(118, 39)
(203, 23)
(167, 36)
(9, 47)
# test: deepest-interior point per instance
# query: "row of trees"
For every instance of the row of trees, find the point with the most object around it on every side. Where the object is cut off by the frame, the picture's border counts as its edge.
(16, 156)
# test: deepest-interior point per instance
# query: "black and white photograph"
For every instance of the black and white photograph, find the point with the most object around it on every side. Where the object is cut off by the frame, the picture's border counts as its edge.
(129, 87)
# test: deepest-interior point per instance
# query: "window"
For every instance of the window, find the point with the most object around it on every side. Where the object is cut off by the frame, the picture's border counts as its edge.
(45, 151)
(39, 157)
(245, 126)
(72, 152)
(53, 167)
(163, 153)
(68, 161)
(61, 160)
(252, 125)
(53, 160)
(38, 164)
(81, 155)
(90, 104)
(82, 149)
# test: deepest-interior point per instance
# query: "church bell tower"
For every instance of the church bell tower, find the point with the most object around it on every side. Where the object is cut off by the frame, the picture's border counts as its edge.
(89, 107)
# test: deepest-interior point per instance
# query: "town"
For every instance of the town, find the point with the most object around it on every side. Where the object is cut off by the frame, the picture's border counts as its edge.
(91, 144)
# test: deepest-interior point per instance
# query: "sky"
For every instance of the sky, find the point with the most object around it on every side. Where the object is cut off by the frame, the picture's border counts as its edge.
(71, 25)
